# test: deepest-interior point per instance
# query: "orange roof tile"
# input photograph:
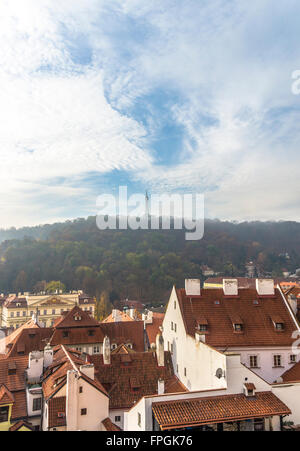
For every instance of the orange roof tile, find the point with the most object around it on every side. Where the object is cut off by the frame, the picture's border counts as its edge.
(216, 409)
(110, 426)
(153, 329)
(258, 328)
(127, 381)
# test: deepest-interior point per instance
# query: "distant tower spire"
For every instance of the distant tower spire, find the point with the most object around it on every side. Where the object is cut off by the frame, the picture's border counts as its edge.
(147, 204)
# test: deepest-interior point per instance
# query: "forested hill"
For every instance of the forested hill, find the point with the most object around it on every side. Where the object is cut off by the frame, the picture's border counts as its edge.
(140, 264)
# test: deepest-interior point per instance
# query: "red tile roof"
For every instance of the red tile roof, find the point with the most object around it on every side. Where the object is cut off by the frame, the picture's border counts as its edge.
(216, 409)
(57, 412)
(110, 426)
(141, 370)
(17, 426)
(6, 397)
(122, 316)
(153, 329)
(28, 340)
(16, 381)
(125, 333)
(293, 374)
(76, 318)
(258, 328)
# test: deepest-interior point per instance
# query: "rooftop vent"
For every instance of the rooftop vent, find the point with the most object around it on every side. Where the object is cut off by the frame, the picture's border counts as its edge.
(230, 287)
(265, 287)
(192, 287)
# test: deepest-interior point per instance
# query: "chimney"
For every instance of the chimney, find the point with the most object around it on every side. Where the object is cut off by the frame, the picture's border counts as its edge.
(160, 387)
(88, 370)
(230, 287)
(192, 287)
(265, 287)
(116, 315)
(292, 299)
(72, 400)
(160, 352)
(106, 350)
(131, 313)
(200, 338)
(48, 356)
(35, 366)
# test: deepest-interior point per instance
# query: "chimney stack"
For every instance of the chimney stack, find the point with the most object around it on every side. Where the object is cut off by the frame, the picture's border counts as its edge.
(265, 287)
(88, 370)
(160, 387)
(106, 350)
(230, 287)
(48, 356)
(160, 352)
(192, 287)
(72, 400)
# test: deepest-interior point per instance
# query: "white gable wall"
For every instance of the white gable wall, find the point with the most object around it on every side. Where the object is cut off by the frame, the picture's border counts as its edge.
(199, 360)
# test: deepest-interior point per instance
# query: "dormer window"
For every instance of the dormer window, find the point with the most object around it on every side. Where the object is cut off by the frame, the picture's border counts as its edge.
(202, 324)
(237, 323)
(238, 327)
(77, 318)
(65, 333)
(278, 323)
(249, 389)
(91, 333)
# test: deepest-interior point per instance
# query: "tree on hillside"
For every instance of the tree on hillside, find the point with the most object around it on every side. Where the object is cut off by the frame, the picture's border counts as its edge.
(103, 307)
(55, 286)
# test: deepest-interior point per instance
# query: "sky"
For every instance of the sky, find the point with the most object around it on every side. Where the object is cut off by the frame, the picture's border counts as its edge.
(159, 95)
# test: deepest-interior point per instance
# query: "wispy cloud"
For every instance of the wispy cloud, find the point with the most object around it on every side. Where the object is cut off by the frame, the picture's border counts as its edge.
(179, 95)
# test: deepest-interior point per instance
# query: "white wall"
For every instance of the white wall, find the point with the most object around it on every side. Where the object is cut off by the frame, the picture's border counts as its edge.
(265, 360)
(290, 395)
(201, 361)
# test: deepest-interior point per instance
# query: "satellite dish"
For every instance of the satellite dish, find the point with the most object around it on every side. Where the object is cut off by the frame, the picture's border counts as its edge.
(219, 373)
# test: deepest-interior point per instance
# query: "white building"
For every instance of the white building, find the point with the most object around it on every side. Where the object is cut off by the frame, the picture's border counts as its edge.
(256, 323)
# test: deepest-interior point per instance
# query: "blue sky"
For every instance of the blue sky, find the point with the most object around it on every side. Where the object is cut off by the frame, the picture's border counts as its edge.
(164, 96)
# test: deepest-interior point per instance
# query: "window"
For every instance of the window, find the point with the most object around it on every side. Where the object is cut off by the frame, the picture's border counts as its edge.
(277, 360)
(65, 333)
(53, 311)
(172, 348)
(238, 327)
(96, 349)
(292, 358)
(279, 326)
(172, 325)
(45, 312)
(113, 346)
(202, 327)
(174, 305)
(18, 313)
(185, 371)
(4, 414)
(175, 327)
(31, 313)
(80, 389)
(91, 333)
(117, 419)
(83, 411)
(139, 419)
(37, 404)
(24, 313)
(12, 314)
(253, 361)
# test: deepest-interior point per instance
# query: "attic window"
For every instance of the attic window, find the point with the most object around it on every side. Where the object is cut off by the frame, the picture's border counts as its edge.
(65, 333)
(256, 302)
(86, 301)
(217, 302)
(202, 324)
(279, 326)
(91, 333)
(238, 327)
(77, 318)
(278, 323)
(12, 368)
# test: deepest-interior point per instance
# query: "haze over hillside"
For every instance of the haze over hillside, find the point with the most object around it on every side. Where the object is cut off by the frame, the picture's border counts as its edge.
(141, 264)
